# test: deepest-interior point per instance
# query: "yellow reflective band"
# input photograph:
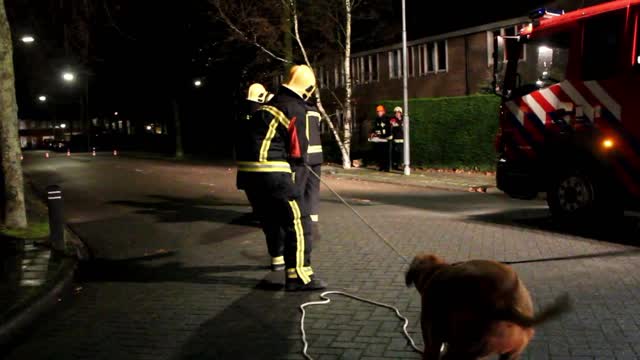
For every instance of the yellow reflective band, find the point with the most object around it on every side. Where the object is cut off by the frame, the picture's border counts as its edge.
(292, 274)
(311, 114)
(277, 114)
(398, 141)
(278, 260)
(266, 143)
(314, 149)
(308, 270)
(297, 224)
(315, 218)
(264, 166)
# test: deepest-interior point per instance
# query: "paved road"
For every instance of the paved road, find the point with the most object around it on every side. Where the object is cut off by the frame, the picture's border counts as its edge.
(181, 272)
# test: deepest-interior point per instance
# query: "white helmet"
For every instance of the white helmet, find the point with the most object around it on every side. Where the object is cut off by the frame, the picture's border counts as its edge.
(397, 109)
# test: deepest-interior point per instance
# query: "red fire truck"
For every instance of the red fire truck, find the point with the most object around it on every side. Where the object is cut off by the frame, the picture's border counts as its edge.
(570, 115)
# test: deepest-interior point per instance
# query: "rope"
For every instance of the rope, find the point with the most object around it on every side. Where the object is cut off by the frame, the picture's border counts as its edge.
(326, 300)
(382, 237)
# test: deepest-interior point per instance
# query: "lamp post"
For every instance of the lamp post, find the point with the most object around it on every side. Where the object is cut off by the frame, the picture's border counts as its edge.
(405, 90)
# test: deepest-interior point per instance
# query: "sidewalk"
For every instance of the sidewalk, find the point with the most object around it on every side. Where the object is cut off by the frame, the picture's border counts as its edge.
(33, 276)
(438, 179)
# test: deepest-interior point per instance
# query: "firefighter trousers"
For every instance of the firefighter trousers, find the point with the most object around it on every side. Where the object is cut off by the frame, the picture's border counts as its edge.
(309, 187)
(288, 228)
(273, 232)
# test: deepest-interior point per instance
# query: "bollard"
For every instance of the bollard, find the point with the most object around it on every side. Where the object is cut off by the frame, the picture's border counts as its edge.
(56, 217)
(93, 153)
(46, 155)
(115, 152)
(68, 152)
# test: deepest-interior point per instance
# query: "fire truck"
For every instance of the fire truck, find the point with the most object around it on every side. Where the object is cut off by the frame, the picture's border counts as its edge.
(570, 115)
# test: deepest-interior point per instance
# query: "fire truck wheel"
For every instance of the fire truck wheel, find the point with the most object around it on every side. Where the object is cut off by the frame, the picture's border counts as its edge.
(579, 196)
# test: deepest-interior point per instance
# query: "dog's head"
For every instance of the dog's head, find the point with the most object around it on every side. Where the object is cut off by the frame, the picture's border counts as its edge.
(422, 268)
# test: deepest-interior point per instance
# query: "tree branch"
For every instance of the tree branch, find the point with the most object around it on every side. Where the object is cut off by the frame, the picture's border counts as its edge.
(253, 41)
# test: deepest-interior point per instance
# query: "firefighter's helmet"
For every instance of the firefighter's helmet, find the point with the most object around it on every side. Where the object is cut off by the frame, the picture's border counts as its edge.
(398, 109)
(380, 108)
(302, 81)
(257, 93)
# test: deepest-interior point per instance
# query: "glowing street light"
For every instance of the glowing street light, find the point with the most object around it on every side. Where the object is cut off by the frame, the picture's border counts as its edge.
(197, 83)
(27, 39)
(115, 113)
(42, 98)
(68, 76)
(149, 127)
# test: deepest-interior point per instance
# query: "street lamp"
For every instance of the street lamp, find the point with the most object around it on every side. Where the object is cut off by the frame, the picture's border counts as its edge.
(149, 127)
(27, 39)
(197, 83)
(68, 76)
(115, 113)
(63, 126)
(42, 98)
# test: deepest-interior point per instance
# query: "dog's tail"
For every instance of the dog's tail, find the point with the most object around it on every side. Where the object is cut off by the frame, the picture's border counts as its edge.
(561, 305)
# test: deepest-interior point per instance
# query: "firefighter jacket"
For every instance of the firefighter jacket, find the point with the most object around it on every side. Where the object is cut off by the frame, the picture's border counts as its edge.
(382, 127)
(397, 132)
(312, 132)
(267, 142)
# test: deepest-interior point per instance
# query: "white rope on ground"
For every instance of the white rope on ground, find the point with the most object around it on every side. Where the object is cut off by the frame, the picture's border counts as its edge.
(326, 300)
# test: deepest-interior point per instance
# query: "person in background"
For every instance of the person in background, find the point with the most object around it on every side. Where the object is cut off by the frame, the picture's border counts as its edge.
(397, 132)
(382, 133)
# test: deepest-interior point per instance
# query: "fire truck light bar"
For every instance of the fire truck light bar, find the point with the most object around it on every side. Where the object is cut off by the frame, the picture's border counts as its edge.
(545, 13)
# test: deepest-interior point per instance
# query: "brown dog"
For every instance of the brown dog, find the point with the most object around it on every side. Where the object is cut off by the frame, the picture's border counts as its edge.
(477, 308)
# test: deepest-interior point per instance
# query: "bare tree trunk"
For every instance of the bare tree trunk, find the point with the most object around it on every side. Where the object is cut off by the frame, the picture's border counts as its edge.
(348, 85)
(15, 212)
(178, 129)
(346, 159)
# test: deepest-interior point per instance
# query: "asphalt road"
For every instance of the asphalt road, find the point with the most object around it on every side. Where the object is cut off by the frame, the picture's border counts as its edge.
(180, 271)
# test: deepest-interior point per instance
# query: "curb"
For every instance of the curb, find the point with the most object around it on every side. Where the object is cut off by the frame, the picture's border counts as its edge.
(490, 189)
(15, 322)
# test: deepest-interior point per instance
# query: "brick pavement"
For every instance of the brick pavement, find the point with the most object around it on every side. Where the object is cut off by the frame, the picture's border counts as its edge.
(214, 299)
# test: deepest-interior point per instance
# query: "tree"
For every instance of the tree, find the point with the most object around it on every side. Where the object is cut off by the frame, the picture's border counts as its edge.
(15, 212)
(258, 29)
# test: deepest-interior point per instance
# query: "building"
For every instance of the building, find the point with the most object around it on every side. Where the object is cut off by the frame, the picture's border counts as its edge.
(451, 64)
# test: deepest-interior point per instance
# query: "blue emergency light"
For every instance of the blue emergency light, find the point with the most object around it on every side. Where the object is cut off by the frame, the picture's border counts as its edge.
(545, 13)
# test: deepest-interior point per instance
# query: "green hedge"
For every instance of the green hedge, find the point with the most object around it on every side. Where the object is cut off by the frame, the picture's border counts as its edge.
(453, 132)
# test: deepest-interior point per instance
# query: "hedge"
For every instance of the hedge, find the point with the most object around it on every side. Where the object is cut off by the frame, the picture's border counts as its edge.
(453, 132)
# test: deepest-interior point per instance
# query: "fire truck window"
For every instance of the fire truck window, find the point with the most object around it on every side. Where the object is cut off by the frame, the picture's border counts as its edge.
(638, 43)
(602, 39)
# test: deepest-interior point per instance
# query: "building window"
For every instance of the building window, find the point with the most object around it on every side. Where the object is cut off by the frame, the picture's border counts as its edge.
(412, 53)
(431, 57)
(375, 70)
(395, 64)
(508, 31)
(442, 52)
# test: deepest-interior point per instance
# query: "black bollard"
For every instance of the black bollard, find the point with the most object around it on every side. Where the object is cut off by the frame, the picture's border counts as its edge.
(56, 217)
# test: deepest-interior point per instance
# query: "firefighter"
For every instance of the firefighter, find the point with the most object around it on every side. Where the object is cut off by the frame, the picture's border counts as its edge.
(397, 132)
(266, 150)
(273, 232)
(382, 132)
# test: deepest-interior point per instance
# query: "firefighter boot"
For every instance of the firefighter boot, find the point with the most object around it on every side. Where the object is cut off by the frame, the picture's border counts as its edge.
(294, 283)
(277, 263)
